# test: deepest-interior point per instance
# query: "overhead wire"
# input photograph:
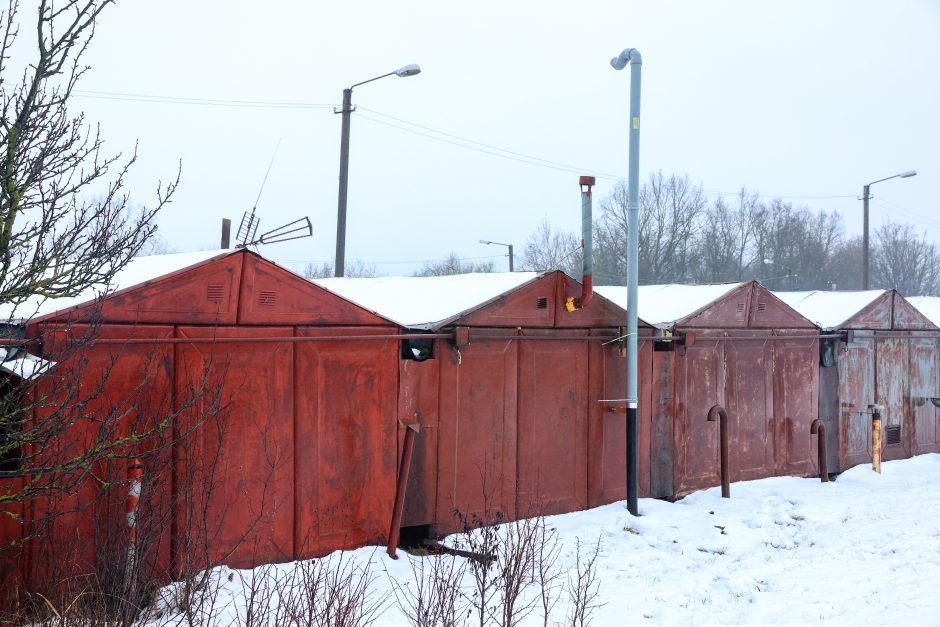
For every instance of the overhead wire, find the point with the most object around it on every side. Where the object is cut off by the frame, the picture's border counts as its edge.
(412, 127)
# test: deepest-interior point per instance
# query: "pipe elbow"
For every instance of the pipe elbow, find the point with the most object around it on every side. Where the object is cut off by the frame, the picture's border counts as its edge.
(629, 55)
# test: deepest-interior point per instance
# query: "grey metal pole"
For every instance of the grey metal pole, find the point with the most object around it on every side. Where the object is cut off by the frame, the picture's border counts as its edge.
(632, 56)
(510, 257)
(340, 261)
(865, 267)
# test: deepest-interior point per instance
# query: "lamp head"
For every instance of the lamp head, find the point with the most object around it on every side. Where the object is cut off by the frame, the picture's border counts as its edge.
(908, 174)
(408, 70)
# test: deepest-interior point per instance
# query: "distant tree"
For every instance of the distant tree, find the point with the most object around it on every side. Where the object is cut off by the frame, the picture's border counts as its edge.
(669, 213)
(844, 267)
(356, 270)
(551, 249)
(792, 246)
(156, 245)
(725, 240)
(454, 265)
(905, 262)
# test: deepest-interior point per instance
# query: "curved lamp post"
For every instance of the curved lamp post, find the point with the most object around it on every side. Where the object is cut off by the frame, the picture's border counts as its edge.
(632, 57)
(865, 197)
(486, 241)
(408, 70)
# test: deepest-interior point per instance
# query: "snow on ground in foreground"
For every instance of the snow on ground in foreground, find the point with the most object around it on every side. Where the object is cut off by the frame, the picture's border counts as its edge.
(863, 550)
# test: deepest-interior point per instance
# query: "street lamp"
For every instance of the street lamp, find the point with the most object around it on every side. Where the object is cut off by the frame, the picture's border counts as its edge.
(632, 57)
(408, 70)
(486, 241)
(865, 197)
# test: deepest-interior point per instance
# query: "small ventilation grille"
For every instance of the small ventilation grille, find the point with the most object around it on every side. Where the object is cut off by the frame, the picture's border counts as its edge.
(761, 306)
(215, 293)
(740, 307)
(267, 297)
(541, 303)
(893, 435)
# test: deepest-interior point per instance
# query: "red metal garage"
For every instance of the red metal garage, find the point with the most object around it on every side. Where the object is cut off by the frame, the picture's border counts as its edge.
(740, 347)
(509, 396)
(886, 355)
(285, 446)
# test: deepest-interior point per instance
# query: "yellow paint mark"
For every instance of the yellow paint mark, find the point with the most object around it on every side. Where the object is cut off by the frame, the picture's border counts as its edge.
(636, 123)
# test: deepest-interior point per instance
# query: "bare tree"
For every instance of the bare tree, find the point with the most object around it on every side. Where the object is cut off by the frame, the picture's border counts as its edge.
(356, 270)
(902, 261)
(550, 249)
(60, 235)
(725, 239)
(669, 216)
(454, 265)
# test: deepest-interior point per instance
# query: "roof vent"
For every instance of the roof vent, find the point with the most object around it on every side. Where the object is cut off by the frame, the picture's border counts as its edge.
(892, 435)
(215, 293)
(541, 303)
(761, 306)
(740, 307)
(267, 298)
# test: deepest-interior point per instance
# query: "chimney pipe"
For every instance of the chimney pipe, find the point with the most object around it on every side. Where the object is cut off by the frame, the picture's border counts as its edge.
(587, 248)
(226, 233)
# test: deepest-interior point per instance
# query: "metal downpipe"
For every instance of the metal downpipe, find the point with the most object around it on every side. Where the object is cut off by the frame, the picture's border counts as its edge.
(632, 57)
(819, 430)
(717, 412)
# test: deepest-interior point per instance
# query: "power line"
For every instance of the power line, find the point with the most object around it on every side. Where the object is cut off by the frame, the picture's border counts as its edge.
(912, 214)
(213, 102)
(431, 133)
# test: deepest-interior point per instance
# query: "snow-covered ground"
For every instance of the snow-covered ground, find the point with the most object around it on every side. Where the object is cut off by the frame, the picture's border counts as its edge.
(863, 550)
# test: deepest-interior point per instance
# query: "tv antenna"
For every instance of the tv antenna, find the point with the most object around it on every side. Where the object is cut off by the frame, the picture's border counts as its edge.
(248, 228)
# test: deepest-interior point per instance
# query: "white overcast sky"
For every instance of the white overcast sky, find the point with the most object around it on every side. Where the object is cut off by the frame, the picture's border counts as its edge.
(806, 100)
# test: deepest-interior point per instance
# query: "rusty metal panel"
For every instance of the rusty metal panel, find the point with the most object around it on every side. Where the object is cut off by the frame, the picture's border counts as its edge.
(203, 294)
(346, 414)
(749, 403)
(796, 402)
(272, 295)
(418, 403)
(730, 311)
(856, 393)
(107, 391)
(607, 456)
(552, 430)
(599, 312)
(531, 305)
(906, 316)
(663, 409)
(769, 312)
(477, 446)
(925, 384)
(892, 391)
(875, 315)
(235, 487)
(700, 384)
(829, 412)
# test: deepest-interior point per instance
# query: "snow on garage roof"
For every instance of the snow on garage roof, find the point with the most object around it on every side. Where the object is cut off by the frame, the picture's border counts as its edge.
(662, 305)
(426, 302)
(927, 305)
(829, 310)
(138, 270)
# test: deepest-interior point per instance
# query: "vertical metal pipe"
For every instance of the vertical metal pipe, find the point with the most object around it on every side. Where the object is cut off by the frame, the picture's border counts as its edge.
(587, 240)
(632, 56)
(818, 429)
(340, 261)
(226, 233)
(510, 258)
(876, 439)
(394, 533)
(718, 412)
(865, 267)
(135, 473)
